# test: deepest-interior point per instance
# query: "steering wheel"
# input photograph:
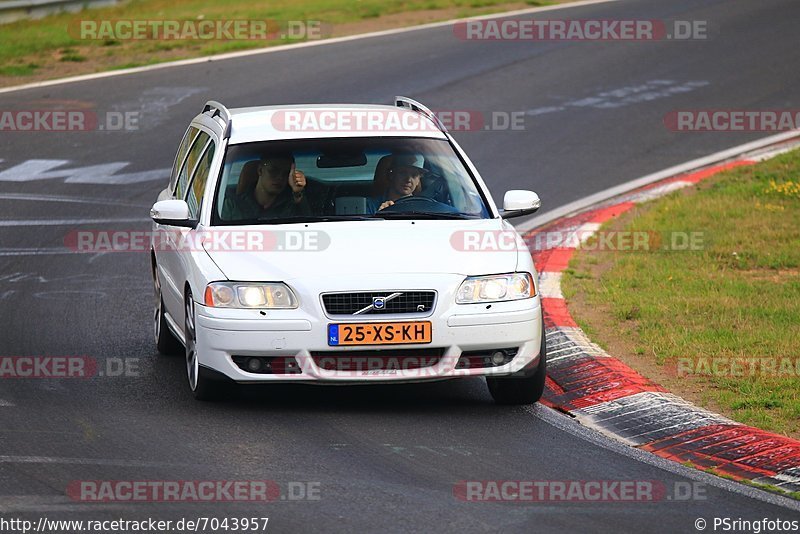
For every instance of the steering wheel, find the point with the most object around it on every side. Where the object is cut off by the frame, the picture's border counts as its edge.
(412, 198)
(406, 202)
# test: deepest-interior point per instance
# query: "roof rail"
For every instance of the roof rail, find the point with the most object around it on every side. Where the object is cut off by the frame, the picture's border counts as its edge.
(222, 111)
(413, 105)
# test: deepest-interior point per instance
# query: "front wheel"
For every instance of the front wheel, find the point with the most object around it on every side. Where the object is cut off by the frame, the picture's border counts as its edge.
(166, 343)
(522, 390)
(202, 387)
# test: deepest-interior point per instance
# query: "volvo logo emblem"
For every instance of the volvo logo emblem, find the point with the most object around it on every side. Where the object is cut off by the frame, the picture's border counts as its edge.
(378, 303)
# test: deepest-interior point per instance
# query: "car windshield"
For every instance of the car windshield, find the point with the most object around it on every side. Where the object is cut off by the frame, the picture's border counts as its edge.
(344, 179)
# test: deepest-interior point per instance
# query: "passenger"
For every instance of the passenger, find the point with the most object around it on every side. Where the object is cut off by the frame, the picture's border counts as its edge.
(270, 197)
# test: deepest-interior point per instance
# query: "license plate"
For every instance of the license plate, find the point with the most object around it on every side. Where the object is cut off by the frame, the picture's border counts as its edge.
(379, 333)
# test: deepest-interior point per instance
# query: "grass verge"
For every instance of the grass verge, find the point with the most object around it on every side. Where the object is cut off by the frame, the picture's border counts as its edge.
(34, 50)
(719, 325)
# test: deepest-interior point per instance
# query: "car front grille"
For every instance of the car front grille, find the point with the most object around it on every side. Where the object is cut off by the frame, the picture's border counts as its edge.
(419, 302)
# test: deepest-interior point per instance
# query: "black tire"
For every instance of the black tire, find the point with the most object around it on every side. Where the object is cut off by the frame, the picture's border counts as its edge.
(166, 342)
(203, 388)
(521, 390)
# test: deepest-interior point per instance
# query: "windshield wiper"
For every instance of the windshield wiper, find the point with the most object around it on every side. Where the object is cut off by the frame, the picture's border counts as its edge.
(422, 215)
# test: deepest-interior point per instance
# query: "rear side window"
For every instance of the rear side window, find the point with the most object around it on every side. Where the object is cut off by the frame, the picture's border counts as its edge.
(188, 137)
(198, 184)
(191, 162)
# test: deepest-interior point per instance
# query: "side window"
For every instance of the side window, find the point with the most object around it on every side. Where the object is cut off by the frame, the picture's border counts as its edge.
(188, 137)
(191, 161)
(199, 180)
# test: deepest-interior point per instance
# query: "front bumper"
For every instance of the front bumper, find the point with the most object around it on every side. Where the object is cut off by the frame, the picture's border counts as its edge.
(223, 334)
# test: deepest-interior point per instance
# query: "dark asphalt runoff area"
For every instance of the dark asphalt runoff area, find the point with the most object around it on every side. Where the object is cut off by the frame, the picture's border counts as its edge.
(382, 458)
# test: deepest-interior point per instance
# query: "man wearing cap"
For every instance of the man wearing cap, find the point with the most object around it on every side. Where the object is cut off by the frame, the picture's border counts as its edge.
(404, 179)
(270, 197)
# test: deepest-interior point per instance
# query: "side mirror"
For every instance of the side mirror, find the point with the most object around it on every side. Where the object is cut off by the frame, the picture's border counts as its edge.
(517, 203)
(172, 213)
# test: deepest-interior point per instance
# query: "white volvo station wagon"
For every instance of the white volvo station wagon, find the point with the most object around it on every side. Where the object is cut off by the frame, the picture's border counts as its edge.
(341, 244)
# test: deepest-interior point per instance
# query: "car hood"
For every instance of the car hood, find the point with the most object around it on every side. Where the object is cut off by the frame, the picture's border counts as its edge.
(353, 248)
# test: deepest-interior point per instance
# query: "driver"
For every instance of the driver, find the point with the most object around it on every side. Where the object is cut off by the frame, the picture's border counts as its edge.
(405, 180)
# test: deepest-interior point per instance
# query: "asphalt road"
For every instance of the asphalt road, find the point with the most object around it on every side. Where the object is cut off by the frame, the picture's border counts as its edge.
(384, 459)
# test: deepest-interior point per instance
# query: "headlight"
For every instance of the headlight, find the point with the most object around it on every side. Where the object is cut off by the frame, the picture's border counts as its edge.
(247, 295)
(496, 288)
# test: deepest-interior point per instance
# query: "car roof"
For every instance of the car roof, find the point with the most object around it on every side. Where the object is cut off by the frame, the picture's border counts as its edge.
(268, 123)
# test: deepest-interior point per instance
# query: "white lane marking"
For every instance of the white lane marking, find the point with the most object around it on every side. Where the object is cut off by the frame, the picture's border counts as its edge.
(632, 402)
(5, 402)
(625, 96)
(769, 154)
(550, 285)
(570, 357)
(580, 338)
(106, 173)
(654, 192)
(606, 194)
(572, 350)
(587, 230)
(8, 459)
(640, 418)
(785, 479)
(50, 503)
(115, 280)
(678, 423)
(564, 343)
(35, 169)
(67, 222)
(577, 353)
(153, 104)
(543, 110)
(567, 346)
(306, 44)
(567, 343)
(70, 200)
(67, 295)
(575, 236)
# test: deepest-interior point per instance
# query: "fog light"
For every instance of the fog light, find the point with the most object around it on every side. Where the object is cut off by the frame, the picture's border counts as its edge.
(254, 365)
(498, 358)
